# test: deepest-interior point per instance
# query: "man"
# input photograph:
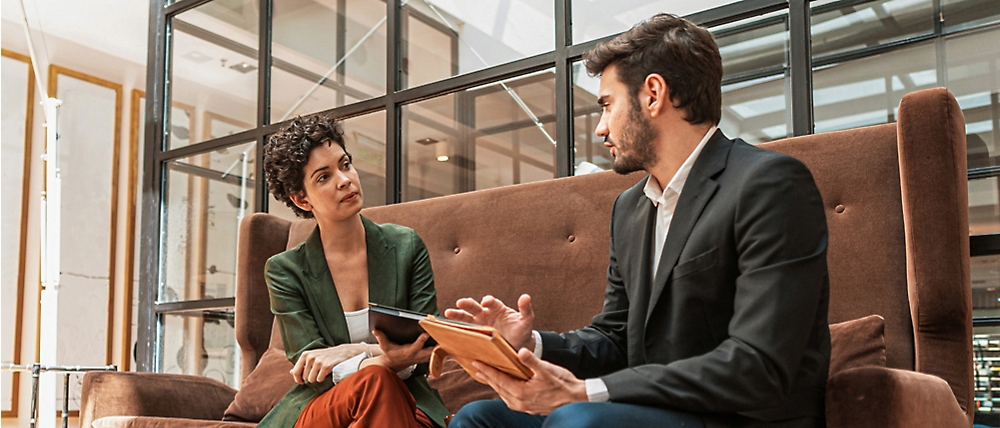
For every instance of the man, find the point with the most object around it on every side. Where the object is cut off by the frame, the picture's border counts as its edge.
(715, 313)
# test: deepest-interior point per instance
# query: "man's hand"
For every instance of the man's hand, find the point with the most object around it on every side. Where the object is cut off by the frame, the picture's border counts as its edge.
(315, 365)
(515, 326)
(398, 357)
(551, 387)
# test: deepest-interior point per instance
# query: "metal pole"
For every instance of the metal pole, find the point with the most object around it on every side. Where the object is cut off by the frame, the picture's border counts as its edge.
(65, 412)
(35, 370)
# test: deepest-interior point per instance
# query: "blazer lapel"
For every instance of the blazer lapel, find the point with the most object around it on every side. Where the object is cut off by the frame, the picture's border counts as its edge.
(698, 190)
(322, 294)
(381, 266)
(640, 263)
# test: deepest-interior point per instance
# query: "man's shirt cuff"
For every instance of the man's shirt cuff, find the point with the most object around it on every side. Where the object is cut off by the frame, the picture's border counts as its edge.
(538, 343)
(597, 390)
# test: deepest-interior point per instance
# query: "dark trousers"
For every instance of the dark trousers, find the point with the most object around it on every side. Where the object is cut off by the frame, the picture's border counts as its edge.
(495, 414)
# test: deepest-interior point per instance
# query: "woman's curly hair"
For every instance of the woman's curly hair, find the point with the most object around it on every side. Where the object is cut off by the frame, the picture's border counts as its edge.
(287, 152)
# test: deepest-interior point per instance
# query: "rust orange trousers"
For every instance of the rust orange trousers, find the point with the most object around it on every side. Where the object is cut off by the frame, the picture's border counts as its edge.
(374, 397)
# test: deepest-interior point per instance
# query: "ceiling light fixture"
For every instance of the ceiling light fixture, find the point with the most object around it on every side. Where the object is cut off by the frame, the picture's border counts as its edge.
(243, 67)
(442, 153)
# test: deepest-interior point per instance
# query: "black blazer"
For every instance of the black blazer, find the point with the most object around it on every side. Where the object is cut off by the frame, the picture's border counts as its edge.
(734, 325)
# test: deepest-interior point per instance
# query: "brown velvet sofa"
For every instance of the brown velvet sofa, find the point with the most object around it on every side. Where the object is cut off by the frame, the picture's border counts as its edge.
(896, 204)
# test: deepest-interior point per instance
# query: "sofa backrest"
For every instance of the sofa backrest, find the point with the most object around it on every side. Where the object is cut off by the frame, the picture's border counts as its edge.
(898, 240)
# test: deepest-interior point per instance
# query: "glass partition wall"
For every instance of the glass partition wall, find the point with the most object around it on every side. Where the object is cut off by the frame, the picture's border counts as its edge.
(440, 97)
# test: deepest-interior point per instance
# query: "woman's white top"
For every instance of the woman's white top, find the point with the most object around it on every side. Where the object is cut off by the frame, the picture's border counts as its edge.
(357, 325)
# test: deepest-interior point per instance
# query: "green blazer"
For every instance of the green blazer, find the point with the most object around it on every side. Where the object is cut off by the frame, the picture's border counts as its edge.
(308, 311)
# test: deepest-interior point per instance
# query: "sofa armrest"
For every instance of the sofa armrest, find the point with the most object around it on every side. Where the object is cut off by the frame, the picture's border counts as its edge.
(881, 397)
(152, 394)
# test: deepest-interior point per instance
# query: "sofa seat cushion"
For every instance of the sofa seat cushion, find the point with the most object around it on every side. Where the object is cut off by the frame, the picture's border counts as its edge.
(857, 343)
(265, 386)
(155, 422)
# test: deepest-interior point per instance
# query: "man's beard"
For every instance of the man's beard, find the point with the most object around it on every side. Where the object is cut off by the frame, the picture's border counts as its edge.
(635, 147)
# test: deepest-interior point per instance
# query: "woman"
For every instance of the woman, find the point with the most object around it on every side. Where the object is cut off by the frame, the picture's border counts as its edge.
(321, 288)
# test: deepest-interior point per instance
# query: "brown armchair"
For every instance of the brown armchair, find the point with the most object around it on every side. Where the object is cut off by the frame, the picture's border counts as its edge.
(897, 210)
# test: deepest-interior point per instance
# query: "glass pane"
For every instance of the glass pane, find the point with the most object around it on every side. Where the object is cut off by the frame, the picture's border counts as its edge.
(593, 19)
(447, 38)
(214, 64)
(974, 78)
(753, 46)
(867, 91)
(589, 153)
(364, 137)
(315, 42)
(985, 272)
(986, 362)
(839, 28)
(984, 206)
(962, 14)
(206, 196)
(201, 343)
(756, 110)
(494, 135)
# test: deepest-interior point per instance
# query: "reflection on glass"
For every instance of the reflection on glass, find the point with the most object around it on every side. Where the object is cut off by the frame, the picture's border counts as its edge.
(364, 137)
(752, 45)
(974, 78)
(314, 69)
(867, 91)
(986, 359)
(201, 343)
(984, 206)
(593, 19)
(206, 196)
(963, 14)
(447, 38)
(214, 64)
(756, 110)
(838, 27)
(494, 135)
(589, 153)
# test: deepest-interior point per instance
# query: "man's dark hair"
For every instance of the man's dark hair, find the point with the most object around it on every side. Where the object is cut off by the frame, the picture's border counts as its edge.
(287, 152)
(684, 54)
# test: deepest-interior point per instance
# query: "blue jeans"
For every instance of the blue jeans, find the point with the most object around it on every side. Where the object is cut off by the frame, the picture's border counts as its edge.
(495, 414)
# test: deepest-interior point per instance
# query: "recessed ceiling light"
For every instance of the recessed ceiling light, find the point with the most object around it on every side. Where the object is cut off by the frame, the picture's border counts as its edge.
(426, 141)
(243, 67)
(442, 158)
(197, 57)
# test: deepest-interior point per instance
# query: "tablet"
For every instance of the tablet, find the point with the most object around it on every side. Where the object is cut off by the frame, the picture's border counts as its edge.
(400, 326)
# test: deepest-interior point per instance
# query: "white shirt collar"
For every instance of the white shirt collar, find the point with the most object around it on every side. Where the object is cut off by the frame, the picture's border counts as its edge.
(676, 184)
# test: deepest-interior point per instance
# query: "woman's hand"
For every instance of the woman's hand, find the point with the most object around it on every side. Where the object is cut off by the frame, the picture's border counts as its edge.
(316, 364)
(398, 357)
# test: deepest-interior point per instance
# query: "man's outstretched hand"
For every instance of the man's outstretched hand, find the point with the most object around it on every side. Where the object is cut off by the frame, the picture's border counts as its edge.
(515, 326)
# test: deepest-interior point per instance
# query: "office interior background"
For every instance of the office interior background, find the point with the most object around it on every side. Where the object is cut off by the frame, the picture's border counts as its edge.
(166, 106)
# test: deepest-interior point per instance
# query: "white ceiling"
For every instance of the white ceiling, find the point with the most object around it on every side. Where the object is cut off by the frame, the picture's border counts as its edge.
(116, 27)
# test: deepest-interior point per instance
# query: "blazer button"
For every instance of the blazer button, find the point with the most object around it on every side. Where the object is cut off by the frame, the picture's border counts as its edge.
(457, 250)
(571, 238)
(839, 209)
